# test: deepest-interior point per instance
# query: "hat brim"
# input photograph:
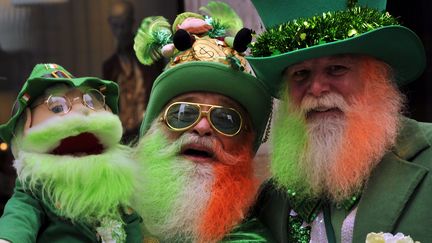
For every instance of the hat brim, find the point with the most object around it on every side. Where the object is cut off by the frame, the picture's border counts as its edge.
(396, 45)
(35, 87)
(194, 76)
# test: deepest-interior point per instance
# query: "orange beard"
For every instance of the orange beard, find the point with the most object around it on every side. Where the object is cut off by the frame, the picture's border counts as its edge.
(232, 194)
(363, 136)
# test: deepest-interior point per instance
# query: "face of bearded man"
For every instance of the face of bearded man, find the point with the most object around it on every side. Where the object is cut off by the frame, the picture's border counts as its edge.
(186, 195)
(75, 165)
(341, 118)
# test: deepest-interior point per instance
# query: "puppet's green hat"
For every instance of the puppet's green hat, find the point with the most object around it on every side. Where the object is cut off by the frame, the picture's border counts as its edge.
(298, 30)
(211, 66)
(46, 75)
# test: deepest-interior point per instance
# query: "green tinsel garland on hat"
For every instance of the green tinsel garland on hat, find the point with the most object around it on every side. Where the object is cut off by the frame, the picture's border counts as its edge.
(320, 29)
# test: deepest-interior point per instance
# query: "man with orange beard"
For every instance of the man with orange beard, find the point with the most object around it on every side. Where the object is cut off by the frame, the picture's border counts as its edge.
(206, 118)
(346, 162)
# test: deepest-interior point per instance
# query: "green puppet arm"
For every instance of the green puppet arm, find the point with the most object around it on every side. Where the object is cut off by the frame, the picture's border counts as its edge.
(22, 217)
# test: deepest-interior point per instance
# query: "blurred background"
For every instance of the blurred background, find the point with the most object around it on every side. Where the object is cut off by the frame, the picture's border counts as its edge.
(93, 38)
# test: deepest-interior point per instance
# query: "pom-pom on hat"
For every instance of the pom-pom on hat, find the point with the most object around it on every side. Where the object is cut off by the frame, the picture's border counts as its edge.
(298, 30)
(210, 65)
(45, 75)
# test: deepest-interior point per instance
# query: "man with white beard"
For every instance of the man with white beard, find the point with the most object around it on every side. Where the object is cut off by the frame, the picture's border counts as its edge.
(205, 120)
(346, 162)
(75, 180)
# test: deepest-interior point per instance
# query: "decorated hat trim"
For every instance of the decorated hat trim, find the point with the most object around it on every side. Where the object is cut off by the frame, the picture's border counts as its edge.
(57, 74)
(320, 29)
(211, 50)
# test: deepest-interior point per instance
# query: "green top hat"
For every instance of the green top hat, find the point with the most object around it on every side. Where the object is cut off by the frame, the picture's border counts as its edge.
(194, 70)
(45, 75)
(298, 30)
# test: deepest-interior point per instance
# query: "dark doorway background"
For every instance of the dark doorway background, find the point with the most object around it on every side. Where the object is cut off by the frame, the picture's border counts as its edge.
(416, 16)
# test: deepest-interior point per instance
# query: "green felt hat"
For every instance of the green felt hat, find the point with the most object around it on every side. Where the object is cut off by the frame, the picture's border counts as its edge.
(45, 75)
(211, 66)
(368, 31)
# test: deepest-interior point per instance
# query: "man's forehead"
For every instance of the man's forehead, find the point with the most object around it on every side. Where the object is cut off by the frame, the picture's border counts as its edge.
(344, 58)
(337, 57)
(199, 97)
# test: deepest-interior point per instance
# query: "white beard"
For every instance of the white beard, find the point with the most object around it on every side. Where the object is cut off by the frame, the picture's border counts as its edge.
(179, 220)
(331, 172)
(325, 137)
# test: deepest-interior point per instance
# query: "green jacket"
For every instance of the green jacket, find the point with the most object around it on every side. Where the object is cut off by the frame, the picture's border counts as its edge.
(397, 197)
(27, 219)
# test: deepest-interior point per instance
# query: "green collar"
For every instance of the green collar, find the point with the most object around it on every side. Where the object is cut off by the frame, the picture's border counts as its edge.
(411, 139)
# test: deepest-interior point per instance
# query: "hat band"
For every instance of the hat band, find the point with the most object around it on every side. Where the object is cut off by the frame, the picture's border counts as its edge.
(211, 50)
(328, 27)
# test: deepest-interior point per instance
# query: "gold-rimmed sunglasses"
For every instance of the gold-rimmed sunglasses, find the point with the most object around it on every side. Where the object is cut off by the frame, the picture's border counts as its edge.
(180, 116)
(61, 105)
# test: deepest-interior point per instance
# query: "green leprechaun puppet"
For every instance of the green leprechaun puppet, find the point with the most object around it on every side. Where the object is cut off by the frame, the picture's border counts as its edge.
(74, 178)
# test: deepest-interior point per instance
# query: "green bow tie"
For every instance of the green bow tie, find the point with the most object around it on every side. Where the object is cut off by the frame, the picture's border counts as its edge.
(307, 210)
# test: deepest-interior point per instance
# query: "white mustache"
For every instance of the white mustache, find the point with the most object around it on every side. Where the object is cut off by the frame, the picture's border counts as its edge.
(188, 138)
(210, 144)
(325, 102)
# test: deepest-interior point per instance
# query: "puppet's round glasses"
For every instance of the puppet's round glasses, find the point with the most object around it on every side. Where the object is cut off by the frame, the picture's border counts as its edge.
(61, 105)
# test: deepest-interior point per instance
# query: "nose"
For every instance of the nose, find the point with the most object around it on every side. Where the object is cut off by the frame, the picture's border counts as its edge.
(319, 85)
(203, 128)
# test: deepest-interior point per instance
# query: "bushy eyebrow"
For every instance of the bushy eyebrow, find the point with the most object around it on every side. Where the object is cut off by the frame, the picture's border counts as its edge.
(187, 98)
